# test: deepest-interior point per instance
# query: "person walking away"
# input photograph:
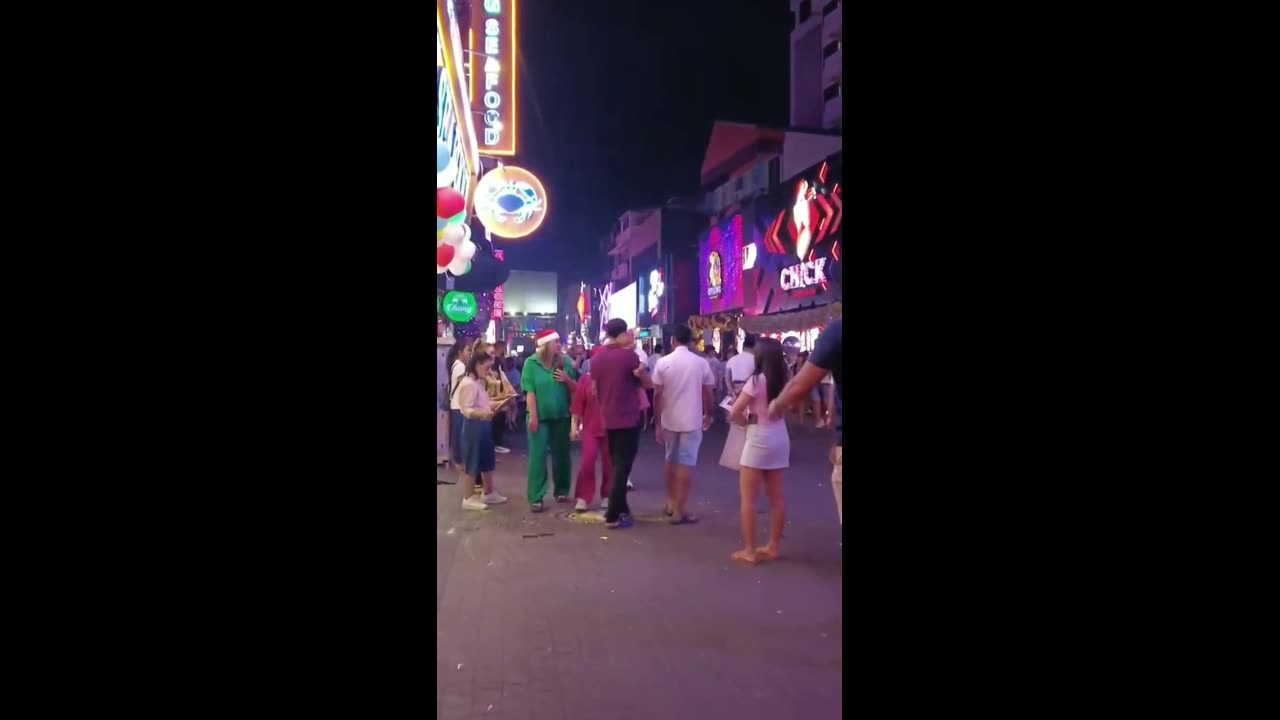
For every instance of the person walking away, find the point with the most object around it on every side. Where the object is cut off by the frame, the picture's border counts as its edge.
(766, 452)
(588, 423)
(499, 386)
(682, 405)
(618, 374)
(513, 377)
(477, 435)
(825, 361)
(548, 382)
(461, 354)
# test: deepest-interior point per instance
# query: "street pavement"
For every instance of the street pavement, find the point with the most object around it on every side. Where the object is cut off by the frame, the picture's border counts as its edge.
(552, 616)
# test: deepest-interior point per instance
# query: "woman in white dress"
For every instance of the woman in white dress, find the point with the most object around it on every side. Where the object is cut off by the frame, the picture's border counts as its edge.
(766, 451)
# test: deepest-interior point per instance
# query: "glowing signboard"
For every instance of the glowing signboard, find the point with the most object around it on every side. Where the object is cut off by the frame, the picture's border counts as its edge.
(498, 292)
(510, 202)
(460, 307)
(715, 275)
(493, 74)
(810, 272)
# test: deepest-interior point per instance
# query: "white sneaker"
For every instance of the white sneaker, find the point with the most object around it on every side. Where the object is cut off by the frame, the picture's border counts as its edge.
(581, 506)
(474, 503)
(493, 498)
(501, 450)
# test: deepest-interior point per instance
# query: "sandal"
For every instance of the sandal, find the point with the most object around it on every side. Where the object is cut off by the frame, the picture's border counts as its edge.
(684, 520)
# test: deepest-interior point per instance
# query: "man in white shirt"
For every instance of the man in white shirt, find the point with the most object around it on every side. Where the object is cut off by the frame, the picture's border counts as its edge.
(682, 406)
(740, 367)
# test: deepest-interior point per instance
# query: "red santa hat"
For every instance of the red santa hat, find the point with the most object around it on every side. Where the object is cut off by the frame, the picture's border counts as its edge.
(545, 336)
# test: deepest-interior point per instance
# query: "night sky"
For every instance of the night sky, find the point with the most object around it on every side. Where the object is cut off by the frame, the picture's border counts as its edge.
(617, 100)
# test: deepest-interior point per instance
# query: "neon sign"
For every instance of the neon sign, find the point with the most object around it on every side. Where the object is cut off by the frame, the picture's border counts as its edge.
(815, 216)
(810, 272)
(715, 275)
(493, 81)
(498, 292)
(510, 202)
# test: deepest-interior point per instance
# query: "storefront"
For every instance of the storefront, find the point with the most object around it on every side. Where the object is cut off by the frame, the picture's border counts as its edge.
(775, 268)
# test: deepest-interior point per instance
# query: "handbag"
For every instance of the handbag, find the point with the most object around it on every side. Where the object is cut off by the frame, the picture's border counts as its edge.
(731, 456)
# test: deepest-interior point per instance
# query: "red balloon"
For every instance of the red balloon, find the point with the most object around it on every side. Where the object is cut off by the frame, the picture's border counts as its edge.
(444, 254)
(449, 202)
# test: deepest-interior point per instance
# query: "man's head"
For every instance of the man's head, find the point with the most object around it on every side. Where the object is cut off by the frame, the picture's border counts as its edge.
(749, 343)
(548, 342)
(615, 327)
(499, 350)
(682, 336)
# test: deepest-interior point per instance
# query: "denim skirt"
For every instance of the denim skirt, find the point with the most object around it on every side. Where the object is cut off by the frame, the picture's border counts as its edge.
(477, 447)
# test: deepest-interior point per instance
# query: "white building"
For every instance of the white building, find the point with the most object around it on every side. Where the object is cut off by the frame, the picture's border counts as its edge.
(817, 86)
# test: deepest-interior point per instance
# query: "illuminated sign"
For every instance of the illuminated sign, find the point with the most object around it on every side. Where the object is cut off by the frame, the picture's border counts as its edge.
(657, 288)
(460, 307)
(454, 124)
(498, 291)
(715, 275)
(582, 304)
(493, 74)
(748, 256)
(810, 272)
(510, 202)
(816, 213)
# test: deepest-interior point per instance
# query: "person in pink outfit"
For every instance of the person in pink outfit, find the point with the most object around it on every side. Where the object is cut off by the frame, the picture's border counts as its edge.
(588, 423)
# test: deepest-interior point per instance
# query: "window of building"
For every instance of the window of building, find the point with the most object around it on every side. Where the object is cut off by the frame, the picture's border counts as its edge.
(832, 92)
(806, 9)
(831, 49)
(830, 7)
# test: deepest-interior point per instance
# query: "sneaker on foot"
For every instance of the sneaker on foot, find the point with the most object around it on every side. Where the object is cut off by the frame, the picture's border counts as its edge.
(474, 503)
(630, 486)
(581, 506)
(494, 498)
(501, 450)
(623, 521)
(536, 507)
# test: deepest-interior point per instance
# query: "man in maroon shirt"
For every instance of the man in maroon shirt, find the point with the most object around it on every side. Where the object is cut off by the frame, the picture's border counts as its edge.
(617, 372)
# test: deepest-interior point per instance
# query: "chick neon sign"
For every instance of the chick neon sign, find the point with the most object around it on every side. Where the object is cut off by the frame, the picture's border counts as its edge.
(493, 76)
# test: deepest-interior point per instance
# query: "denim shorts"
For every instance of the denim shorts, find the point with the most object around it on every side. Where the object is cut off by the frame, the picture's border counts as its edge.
(682, 447)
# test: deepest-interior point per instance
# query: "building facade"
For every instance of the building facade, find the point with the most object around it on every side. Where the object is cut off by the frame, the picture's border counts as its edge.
(817, 86)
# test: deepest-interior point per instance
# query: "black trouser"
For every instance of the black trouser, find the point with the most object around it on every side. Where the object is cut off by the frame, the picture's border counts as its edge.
(623, 445)
(500, 428)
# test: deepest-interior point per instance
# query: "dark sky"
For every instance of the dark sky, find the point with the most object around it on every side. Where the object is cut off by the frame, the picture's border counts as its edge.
(617, 101)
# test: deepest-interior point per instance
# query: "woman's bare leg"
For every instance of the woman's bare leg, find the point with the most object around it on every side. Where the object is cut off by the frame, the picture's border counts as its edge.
(777, 514)
(487, 478)
(748, 482)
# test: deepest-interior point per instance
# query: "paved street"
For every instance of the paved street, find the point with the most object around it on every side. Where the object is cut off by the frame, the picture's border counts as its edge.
(544, 616)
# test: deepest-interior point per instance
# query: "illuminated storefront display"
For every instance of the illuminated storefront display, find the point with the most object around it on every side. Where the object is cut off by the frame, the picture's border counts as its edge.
(803, 275)
(720, 267)
(510, 202)
(493, 82)
(454, 125)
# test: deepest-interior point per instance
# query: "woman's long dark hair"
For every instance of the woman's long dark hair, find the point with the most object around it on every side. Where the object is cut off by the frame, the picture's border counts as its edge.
(771, 363)
(477, 358)
(455, 351)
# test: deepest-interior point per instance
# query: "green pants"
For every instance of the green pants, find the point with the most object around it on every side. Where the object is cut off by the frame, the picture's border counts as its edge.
(556, 433)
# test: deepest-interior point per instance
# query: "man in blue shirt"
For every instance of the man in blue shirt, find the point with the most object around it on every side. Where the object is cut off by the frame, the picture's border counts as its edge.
(824, 359)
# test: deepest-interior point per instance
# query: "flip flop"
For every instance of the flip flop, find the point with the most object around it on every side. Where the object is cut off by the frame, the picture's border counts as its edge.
(684, 520)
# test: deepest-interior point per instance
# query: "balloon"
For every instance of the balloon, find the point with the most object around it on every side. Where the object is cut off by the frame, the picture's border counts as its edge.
(459, 266)
(449, 202)
(441, 224)
(442, 156)
(444, 255)
(440, 269)
(457, 234)
(466, 250)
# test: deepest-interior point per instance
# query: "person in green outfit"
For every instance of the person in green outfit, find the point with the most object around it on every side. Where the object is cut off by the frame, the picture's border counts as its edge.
(548, 381)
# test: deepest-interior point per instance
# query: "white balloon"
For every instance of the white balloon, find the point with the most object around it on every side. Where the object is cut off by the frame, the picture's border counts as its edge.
(466, 250)
(459, 265)
(456, 235)
(440, 269)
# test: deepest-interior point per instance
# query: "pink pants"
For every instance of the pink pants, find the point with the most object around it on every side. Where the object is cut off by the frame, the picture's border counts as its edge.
(592, 447)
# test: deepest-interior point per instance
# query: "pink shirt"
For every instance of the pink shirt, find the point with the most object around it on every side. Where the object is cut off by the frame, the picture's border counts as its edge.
(586, 405)
(472, 395)
(757, 388)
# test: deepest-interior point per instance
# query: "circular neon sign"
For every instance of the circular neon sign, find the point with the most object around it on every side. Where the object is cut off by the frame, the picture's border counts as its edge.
(459, 307)
(510, 202)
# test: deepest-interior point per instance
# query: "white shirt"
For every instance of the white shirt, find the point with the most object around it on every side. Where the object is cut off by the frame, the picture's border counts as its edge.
(455, 377)
(682, 376)
(652, 362)
(740, 367)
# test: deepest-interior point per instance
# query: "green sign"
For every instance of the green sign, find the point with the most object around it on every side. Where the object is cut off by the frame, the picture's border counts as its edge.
(460, 307)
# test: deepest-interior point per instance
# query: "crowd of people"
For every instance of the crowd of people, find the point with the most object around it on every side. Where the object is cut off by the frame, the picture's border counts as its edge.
(607, 397)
